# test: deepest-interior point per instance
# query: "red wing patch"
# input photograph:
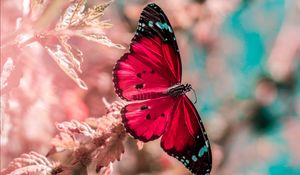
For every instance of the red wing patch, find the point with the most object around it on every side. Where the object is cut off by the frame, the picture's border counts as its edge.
(147, 120)
(145, 72)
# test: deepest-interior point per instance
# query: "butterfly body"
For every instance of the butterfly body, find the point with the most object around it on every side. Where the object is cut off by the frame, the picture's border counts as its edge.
(149, 77)
(179, 89)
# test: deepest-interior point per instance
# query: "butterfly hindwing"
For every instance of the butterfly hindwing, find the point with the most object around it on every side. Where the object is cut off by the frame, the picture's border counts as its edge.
(147, 120)
(153, 63)
(185, 138)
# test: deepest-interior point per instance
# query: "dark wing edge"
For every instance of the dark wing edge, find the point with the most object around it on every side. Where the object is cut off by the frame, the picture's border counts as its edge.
(203, 132)
(115, 79)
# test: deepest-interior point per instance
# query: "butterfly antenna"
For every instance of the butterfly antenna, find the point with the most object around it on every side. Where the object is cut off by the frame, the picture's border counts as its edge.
(194, 95)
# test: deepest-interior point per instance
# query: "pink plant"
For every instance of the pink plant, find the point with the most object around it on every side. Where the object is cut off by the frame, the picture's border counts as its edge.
(94, 143)
(40, 25)
(32, 163)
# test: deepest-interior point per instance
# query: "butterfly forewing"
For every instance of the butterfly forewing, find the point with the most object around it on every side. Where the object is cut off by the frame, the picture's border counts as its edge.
(185, 138)
(153, 63)
(142, 73)
(153, 23)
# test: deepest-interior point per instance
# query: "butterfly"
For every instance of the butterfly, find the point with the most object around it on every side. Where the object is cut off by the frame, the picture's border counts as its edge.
(149, 77)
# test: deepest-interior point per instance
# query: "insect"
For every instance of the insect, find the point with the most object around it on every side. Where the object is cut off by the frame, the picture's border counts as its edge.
(149, 77)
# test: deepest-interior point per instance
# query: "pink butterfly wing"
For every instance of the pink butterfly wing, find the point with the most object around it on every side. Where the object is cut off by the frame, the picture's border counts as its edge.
(185, 138)
(153, 63)
(146, 120)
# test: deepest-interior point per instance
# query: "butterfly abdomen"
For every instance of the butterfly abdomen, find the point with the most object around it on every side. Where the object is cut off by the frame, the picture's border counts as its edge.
(149, 95)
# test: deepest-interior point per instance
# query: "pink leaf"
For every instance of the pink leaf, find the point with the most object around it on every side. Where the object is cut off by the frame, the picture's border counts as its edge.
(32, 163)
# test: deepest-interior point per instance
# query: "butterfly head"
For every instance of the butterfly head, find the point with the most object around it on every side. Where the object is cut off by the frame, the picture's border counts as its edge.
(179, 89)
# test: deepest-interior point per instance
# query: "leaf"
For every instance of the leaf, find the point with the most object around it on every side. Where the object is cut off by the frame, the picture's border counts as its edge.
(95, 143)
(63, 142)
(70, 51)
(32, 163)
(76, 127)
(96, 12)
(62, 60)
(94, 26)
(73, 15)
(101, 39)
(114, 107)
(113, 148)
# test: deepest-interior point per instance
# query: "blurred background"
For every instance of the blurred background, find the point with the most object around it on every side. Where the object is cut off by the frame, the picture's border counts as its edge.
(241, 57)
